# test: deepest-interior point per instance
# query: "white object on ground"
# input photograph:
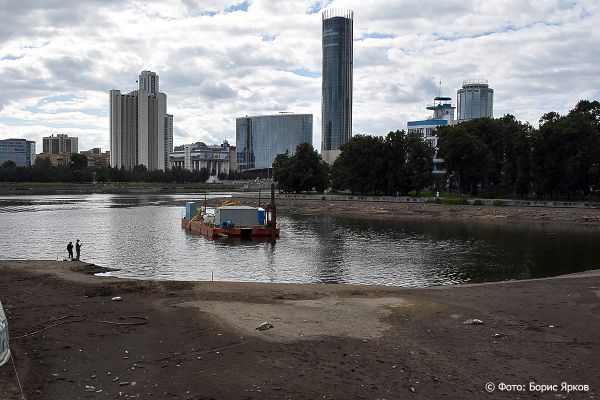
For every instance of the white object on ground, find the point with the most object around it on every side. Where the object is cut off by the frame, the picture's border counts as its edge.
(473, 321)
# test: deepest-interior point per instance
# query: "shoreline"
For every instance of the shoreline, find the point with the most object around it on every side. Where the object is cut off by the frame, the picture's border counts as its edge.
(197, 340)
(527, 217)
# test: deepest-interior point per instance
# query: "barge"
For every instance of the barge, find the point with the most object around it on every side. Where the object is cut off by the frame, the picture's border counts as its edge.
(232, 220)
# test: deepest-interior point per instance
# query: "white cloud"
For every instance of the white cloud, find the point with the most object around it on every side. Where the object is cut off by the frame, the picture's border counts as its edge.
(59, 59)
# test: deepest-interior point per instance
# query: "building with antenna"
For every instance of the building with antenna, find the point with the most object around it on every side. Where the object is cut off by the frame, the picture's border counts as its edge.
(475, 100)
(443, 114)
(336, 96)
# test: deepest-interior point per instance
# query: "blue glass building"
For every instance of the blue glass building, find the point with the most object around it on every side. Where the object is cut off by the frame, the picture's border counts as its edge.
(336, 96)
(21, 151)
(259, 139)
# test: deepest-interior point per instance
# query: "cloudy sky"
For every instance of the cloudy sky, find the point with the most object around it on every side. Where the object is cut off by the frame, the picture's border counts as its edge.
(218, 60)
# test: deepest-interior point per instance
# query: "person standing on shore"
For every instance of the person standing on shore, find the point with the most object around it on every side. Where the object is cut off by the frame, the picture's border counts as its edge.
(70, 250)
(78, 249)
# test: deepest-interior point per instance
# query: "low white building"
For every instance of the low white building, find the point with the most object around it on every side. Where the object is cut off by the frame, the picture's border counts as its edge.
(194, 157)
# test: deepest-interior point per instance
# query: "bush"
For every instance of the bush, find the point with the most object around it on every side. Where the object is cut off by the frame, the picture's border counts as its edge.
(477, 202)
(498, 203)
(456, 202)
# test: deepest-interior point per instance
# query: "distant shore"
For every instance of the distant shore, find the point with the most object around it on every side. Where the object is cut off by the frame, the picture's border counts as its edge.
(388, 208)
(114, 338)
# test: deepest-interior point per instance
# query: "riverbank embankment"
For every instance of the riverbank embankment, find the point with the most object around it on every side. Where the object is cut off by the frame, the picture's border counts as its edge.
(75, 335)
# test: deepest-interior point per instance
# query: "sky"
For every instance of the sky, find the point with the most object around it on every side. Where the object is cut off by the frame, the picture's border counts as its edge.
(219, 60)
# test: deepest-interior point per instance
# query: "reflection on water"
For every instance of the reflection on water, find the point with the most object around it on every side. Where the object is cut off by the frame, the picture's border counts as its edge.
(141, 235)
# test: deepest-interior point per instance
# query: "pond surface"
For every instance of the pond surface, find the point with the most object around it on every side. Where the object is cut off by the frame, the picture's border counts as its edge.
(142, 237)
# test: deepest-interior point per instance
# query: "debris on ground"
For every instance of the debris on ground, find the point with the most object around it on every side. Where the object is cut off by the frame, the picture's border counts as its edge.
(473, 321)
(264, 326)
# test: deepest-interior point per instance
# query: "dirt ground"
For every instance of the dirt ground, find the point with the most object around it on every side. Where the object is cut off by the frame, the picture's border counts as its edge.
(197, 340)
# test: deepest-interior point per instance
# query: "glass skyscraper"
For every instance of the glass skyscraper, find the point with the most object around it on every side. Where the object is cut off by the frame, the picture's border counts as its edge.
(336, 97)
(475, 100)
(259, 139)
(20, 151)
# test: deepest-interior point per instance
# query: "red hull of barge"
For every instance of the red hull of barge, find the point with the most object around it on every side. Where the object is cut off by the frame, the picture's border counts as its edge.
(215, 231)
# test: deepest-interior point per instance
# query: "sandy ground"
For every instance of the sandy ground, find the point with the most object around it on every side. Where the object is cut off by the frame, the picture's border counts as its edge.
(197, 340)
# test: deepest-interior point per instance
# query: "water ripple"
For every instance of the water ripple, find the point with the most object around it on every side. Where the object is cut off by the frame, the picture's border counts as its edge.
(141, 236)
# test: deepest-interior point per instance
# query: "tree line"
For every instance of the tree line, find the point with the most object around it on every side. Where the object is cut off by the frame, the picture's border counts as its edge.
(396, 164)
(500, 157)
(504, 157)
(77, 171)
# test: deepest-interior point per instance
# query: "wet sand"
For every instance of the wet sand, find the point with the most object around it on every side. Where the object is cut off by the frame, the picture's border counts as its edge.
(197, 340)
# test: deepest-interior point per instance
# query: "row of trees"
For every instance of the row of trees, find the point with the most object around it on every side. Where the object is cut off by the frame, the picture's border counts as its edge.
(504, 157)
(395, 164)
(77, 171)
(491, 157)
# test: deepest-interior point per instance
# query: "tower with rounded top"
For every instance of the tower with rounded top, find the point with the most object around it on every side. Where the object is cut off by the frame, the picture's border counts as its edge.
(336, 96)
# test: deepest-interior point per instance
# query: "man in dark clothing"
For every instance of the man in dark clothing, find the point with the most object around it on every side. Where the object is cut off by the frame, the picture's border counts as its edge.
(70, 250)
(78, 248)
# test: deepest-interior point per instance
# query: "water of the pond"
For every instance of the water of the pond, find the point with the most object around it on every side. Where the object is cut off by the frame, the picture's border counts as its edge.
(142, 237)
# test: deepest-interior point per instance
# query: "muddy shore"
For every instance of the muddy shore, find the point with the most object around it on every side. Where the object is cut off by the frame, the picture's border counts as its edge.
(197, 340)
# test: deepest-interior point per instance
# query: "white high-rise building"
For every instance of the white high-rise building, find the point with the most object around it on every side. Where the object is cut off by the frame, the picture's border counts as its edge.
(148, 80)
(168, 139)
(137, 128)
(60, 144)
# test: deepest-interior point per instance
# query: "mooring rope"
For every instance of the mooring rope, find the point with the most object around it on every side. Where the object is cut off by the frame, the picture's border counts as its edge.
(17, 374)
(141, 321)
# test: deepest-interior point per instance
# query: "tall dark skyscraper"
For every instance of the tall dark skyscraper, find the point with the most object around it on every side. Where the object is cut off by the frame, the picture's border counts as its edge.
(336, 98)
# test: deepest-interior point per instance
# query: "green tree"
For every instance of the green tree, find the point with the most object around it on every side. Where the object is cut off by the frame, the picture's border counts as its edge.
(419, 162)
(566, 150)
(515, 164)
(466, 156)
(304, 171)
(9, 164)
(78, 161)
(397, 176)
(281, 172)
(361, 166)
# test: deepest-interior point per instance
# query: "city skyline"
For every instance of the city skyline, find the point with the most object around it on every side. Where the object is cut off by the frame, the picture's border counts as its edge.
(228, 59)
